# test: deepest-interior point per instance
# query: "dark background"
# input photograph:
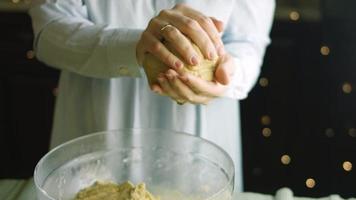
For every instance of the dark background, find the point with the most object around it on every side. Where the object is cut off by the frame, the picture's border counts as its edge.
(298, 123)
(303, 106)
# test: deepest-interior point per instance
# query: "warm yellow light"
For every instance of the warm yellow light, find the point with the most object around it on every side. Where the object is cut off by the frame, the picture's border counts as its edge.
(347, 165)
(265, 120)
(325, 50)
(294, 16)
(347, 88)
(329, 132)
(285, 159)
(310, 183)
(55, 92)
(30, 54)
(266, 132)
(15, 1)
(263, 82)
(352, 132)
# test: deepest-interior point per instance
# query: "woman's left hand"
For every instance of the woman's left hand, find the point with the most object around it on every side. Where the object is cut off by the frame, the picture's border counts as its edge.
(183, 87)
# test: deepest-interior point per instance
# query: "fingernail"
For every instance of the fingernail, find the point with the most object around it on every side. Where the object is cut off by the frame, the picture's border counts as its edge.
(178, 64)
(194, 60)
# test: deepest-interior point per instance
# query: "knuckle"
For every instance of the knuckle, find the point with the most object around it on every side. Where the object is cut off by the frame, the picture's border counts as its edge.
(171, 33)
(152, 22)
(205, 21)
(164, 12)
(192, 24)
(179, 6)
(155, 47)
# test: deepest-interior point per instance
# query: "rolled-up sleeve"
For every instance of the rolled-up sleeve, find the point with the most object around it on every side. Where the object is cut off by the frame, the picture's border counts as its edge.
(246, 38)
(66, 39)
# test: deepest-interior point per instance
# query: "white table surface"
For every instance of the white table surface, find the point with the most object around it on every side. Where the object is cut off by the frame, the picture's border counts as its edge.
(25, 190)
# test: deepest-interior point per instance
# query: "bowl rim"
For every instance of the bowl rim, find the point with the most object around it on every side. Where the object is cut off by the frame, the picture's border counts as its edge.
(135, 131)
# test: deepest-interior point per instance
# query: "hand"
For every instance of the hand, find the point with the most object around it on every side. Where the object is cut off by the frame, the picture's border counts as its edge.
(183, 87)
(183, 21)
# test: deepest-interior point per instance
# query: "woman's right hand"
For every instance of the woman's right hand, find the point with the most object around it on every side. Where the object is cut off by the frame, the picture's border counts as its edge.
(175, 26)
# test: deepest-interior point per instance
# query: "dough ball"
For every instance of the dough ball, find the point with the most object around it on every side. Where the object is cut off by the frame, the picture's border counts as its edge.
(205, 69)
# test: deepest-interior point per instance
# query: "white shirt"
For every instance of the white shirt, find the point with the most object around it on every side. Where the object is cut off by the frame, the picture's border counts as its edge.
(102, 87)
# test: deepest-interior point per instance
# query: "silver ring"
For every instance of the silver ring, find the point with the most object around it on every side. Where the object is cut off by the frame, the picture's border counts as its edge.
(166, 26)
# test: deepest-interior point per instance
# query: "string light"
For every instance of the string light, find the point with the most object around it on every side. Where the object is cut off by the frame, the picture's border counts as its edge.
(265, 120)
(30, 54)
(257, 171)
(325, 50)
(347, 88)
(294, 16)
(266, 132)
(347, 165)
(263, 82)
(310, 183)
(55, 92)
(352, 132)
(329, 132)
(285, 159)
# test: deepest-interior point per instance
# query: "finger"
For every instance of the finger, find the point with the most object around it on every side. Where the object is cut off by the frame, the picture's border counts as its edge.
(209, 27)
(166, 87)
(156, 48)
(224, 70)
(157, 89)
(218, 24)
(206, 23)
(155, 25)
(184, 91)
(180, 43)
(192, 30)
(200, 86)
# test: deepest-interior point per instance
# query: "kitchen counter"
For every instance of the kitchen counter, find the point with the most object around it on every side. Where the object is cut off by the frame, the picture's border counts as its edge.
(25, 190)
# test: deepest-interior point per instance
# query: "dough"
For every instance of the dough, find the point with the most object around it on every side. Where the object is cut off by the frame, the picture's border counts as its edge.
(205, 69)
(112, 191)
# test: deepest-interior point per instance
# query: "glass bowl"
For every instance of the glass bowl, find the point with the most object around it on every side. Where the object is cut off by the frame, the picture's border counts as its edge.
(173, 165)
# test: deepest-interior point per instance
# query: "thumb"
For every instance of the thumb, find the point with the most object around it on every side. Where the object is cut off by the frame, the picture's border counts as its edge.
(224, 70)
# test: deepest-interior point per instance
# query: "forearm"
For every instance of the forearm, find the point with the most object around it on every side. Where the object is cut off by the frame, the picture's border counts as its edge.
(247, 63)
(68, 41)
(246, 39)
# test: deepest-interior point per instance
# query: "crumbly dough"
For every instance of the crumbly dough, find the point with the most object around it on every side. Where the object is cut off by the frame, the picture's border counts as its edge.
(205, 69)
(112, 191)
